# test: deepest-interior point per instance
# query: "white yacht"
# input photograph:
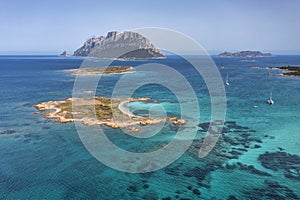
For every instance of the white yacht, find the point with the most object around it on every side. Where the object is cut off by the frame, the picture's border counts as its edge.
(270, 101)
(227, 83)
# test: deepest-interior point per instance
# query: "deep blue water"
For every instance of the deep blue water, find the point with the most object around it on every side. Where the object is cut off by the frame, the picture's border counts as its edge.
(43, 159)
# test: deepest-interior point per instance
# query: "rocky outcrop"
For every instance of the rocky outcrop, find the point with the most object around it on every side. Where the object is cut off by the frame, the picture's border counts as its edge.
(126, 45)
(291, 70)
(245, 54)
(64, 54)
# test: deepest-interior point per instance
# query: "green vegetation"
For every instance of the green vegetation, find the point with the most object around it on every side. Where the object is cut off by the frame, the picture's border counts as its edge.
(98, 107)
(294, 70)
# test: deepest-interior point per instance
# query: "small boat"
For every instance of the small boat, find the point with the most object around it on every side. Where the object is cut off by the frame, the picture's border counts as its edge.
(227, 83)
(270, 101)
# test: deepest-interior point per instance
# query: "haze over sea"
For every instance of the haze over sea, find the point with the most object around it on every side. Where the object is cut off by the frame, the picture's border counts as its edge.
(44, 159)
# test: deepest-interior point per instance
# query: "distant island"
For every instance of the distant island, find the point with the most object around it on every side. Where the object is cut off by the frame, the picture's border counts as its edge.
(64, 54)
(97, 71)
(250, 54)
(100, 111)
(293, 70)
(126, 45)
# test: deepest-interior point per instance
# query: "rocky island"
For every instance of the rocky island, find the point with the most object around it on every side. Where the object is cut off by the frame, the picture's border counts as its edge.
(64, 54)
(292, 70)
(251, 54)
(126, 45)
(98, 71)
(100, 111)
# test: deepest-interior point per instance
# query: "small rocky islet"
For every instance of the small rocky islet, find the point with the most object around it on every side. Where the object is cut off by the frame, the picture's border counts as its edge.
(287, 70)
(90, 71)
(291, 70)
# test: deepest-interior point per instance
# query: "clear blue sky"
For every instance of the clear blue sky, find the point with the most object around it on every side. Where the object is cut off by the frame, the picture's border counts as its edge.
(37, 26)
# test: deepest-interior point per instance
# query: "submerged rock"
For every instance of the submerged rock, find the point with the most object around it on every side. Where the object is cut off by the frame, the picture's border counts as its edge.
(282, 161)
(7, 132)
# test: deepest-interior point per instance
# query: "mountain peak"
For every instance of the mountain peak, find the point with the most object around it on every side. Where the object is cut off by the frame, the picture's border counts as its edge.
(126, 45)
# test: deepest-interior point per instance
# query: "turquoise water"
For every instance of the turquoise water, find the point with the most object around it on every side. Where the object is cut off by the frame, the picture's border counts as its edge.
(43, 159)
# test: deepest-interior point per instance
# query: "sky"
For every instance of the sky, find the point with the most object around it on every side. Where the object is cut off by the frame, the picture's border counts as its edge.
(50, 27)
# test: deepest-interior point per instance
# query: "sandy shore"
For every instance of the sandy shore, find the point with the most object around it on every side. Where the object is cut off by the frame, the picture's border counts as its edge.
(125, 110)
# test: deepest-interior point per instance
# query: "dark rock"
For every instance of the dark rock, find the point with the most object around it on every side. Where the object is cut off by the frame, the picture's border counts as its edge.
(146, 186)
(290, 176)
(171, 171)
(235, 153)
(281, 149)
(150, 196)
(229, 140)
(252, 169)
(245, 135)
(241, 149)
(204, 126)
(231, 197)
(196, 172)
(285, 162)
(196, 192)
(189, 187)
(271, 190)
(8, 132)
(132, 188)
(231, 167)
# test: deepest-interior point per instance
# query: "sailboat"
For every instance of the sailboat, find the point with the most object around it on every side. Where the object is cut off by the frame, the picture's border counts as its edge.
(227, 83)
(270, 101)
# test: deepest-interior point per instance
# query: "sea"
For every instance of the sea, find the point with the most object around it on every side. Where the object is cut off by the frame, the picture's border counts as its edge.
(257, 155)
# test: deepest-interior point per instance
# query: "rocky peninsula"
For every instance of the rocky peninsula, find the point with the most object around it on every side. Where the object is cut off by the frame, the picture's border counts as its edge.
(98, 71)
(100, 111)
(116, 45)
(251, 54)
(292, 70)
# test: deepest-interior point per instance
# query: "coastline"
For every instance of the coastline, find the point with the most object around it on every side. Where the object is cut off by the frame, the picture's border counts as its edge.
(125, 111)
